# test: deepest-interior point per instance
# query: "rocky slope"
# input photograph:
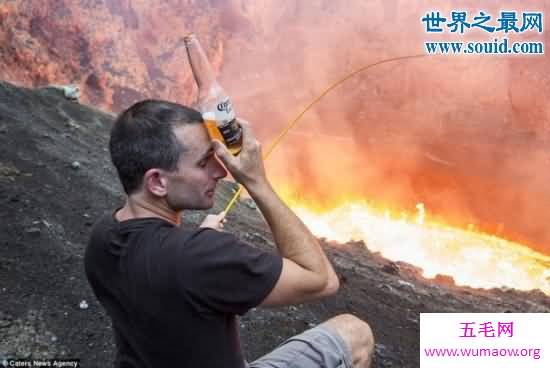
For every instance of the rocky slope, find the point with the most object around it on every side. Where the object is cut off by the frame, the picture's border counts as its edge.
(56, 178)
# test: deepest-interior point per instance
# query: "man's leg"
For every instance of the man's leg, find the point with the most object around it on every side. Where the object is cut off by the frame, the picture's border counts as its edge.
(344, 341)
(357, 334)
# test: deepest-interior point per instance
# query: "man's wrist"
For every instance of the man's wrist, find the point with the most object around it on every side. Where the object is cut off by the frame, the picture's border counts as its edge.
(259, 188)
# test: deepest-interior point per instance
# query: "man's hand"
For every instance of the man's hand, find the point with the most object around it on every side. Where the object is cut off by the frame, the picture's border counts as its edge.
(215, 222)
(247, 167)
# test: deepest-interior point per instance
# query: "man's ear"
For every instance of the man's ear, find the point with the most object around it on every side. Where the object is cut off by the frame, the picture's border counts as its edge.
(155, 182)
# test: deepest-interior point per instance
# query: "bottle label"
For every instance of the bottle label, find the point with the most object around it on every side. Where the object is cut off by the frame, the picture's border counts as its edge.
(225, 119)
(231, 132)
(224, 112)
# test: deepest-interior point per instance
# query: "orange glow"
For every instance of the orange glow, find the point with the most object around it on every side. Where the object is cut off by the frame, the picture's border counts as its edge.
(470, 257)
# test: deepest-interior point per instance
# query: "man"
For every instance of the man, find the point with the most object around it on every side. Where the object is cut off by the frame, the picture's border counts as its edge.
(173, 293)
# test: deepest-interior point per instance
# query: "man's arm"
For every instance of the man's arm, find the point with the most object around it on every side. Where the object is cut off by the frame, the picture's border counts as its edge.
(307, 274)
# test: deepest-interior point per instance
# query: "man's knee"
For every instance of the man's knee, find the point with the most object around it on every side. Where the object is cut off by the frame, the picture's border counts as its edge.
(356, 333)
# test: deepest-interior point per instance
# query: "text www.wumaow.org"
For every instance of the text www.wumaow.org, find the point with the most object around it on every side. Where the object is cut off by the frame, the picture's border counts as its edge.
(533, 353)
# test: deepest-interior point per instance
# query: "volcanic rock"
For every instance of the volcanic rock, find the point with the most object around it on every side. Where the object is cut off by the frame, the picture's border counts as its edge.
(444, 280)
(391, 268)
(62, 41)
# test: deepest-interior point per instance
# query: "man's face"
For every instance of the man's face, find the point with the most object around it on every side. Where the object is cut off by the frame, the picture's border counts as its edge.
(192, 184)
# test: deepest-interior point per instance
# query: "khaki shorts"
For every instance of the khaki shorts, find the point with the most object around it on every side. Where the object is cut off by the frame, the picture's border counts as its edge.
(315, 348)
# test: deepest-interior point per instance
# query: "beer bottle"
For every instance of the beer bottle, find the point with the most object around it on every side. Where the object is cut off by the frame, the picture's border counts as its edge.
(214, 104)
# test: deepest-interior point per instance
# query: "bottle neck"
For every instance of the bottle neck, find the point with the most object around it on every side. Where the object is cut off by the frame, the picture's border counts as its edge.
(200, 66)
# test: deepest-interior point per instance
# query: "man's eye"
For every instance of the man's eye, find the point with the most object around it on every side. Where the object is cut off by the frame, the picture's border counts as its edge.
(204, 162)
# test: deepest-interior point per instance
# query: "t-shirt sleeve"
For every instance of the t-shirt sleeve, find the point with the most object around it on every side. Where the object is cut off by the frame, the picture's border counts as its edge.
(221, 273)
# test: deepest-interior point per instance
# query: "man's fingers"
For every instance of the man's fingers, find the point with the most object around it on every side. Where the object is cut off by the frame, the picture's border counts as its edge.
(221, 151)
(218, 147)
(250, 143)
(247, 132)
(222, 218)
(243, 123)
(214, 221)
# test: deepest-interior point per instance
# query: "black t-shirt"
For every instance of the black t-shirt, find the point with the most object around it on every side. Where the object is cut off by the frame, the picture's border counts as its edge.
(173, 294)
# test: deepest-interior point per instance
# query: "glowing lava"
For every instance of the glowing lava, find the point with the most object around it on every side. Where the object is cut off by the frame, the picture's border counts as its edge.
(470, 257)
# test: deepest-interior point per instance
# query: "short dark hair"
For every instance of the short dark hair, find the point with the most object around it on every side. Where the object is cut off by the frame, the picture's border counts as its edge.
(142, 138)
